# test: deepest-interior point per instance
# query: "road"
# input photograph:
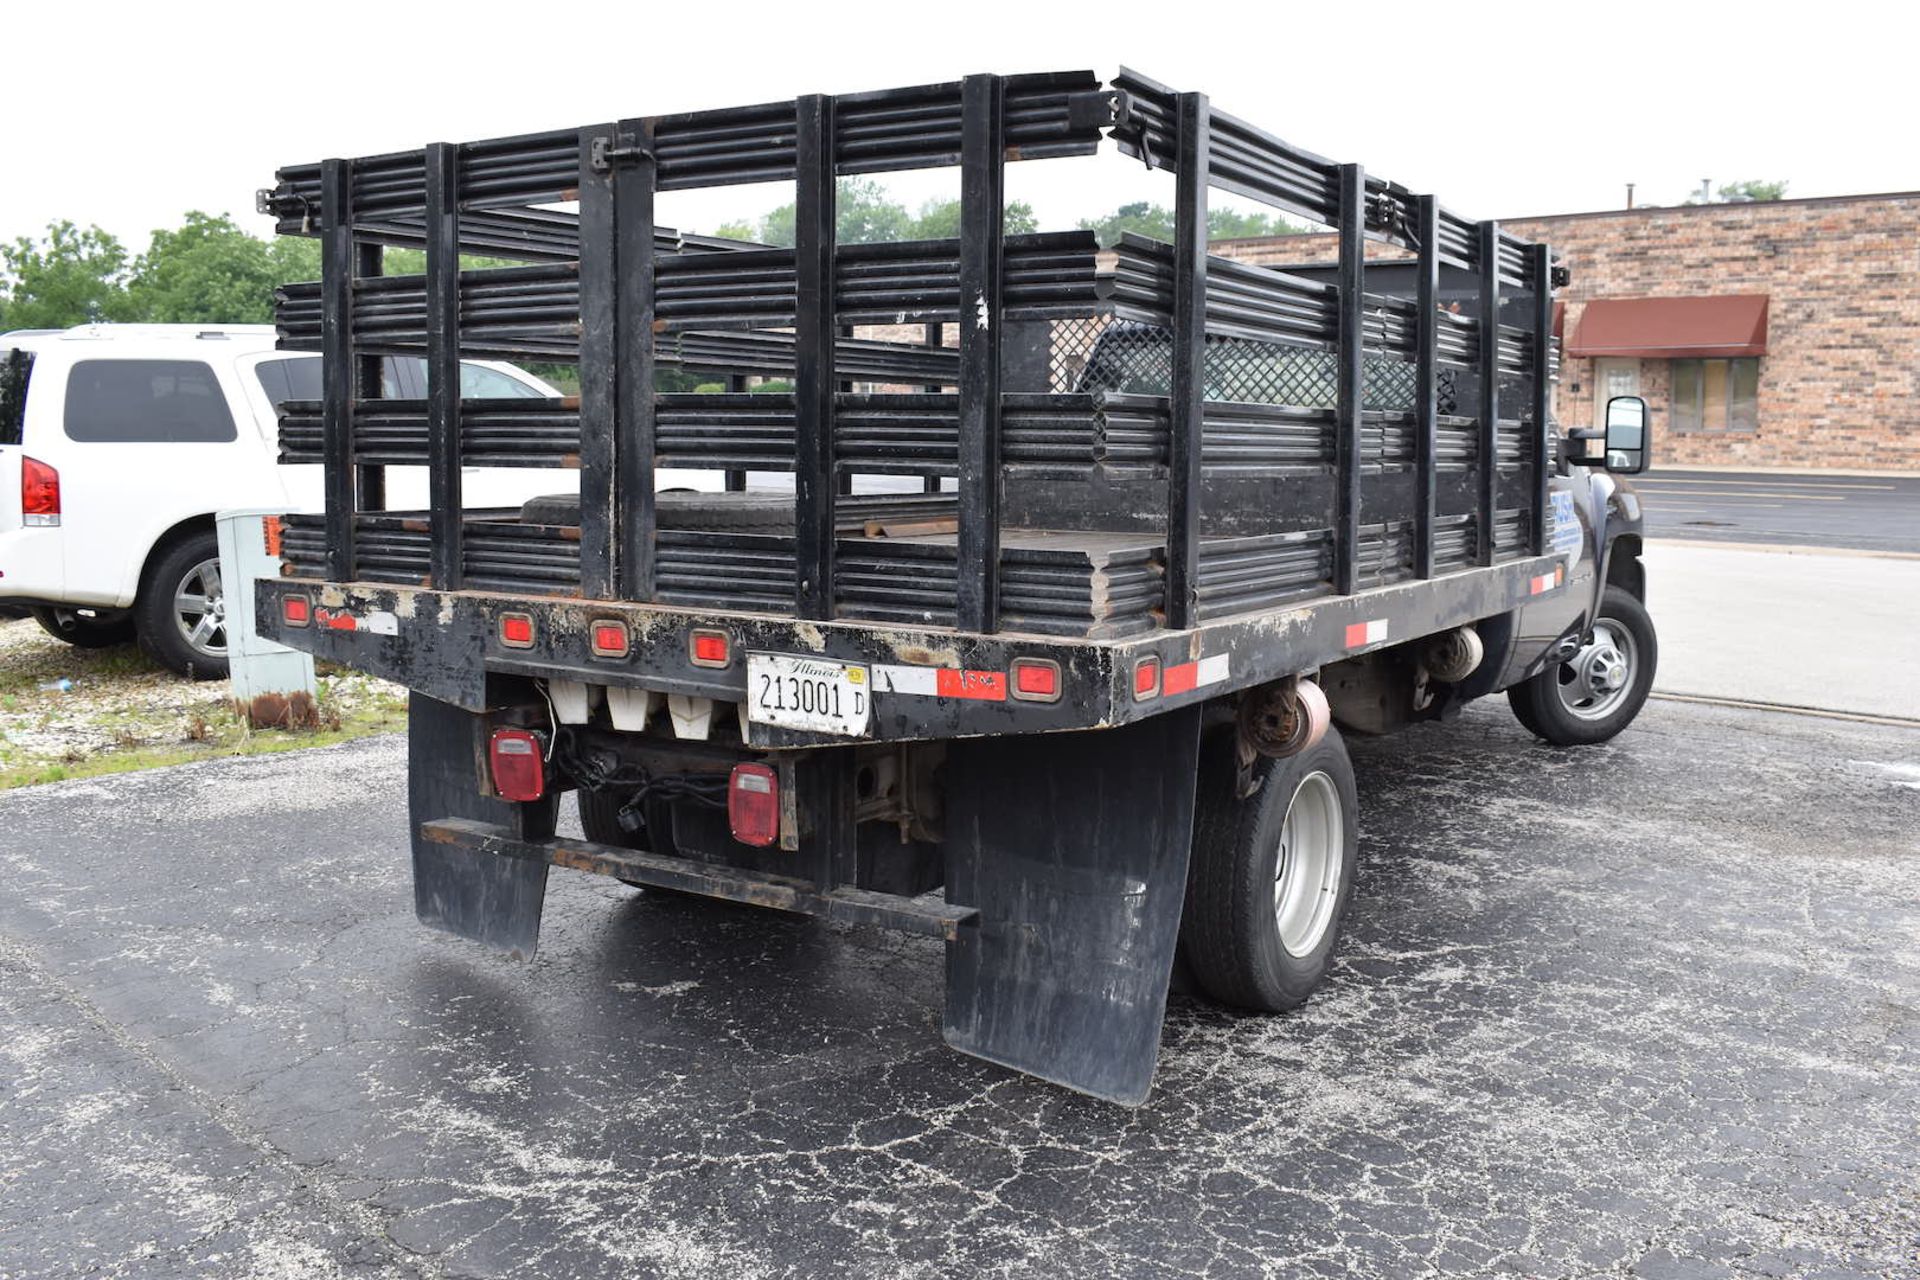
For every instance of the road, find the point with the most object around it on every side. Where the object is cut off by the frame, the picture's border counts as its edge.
(1650, 1009)
(1868, 513)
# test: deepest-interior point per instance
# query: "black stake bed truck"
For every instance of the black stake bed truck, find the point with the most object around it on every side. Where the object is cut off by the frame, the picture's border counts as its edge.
(1090, 554)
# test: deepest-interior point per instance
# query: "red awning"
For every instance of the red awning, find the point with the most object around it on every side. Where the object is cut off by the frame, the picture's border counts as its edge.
(1672, 328)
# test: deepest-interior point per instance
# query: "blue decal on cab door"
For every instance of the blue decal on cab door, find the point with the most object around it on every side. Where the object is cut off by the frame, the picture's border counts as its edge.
(1567, 535)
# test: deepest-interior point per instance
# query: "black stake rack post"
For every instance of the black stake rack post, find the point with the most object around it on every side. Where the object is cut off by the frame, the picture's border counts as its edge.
(1311, 430)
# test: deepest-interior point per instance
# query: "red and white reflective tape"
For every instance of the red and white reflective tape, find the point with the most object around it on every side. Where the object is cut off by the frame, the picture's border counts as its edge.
(940, 682)
(380, 622)
(1548, 581)
(1187, 676)
(1364, 633)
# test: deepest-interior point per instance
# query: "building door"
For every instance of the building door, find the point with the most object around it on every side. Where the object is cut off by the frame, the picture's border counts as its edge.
(1613, 378)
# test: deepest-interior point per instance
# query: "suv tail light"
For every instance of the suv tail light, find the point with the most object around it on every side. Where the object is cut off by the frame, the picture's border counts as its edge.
(753, 804)
(39, 494)
(519, 764)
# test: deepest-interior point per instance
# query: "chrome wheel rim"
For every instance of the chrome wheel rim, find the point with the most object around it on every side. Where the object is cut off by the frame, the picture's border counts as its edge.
(1313, 851)
(1595, 681)
(200, 609)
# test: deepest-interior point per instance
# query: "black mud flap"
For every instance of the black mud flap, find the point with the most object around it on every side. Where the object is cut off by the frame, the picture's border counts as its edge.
(1073, 847)
(482, 896)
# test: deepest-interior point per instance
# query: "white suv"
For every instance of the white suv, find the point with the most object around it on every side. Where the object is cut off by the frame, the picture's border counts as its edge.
(118, 443)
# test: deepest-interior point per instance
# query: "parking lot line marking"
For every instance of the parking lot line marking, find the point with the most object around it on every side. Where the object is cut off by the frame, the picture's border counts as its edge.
(1699, 510)
(1790, 497)
(1797, 484)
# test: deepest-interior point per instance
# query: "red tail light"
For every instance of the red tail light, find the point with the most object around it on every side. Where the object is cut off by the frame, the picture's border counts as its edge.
(753, 804)
(296, 610)
(519, 764)
(39, 494)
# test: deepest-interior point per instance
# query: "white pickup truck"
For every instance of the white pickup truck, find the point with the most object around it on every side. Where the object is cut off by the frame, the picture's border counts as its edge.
(118, 443)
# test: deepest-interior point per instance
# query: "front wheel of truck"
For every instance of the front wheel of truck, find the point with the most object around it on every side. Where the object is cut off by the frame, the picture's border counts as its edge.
(1599, 690)
(1271, 874)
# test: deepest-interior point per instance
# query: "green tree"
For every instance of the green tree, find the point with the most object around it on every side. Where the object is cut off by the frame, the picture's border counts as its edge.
(940, 220)
(294, 258)
(1140, 218)
(205, 271)
(1156, 221)
(1230, 224)
(865, 214)
(1749, 189)
(68, 277)
(395, 261)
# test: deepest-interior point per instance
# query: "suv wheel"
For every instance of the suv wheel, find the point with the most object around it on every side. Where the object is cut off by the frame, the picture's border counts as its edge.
(182, 611)
(106, 628)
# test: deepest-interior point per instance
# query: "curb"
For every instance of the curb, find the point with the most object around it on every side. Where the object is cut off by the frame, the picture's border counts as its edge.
(1786, 708)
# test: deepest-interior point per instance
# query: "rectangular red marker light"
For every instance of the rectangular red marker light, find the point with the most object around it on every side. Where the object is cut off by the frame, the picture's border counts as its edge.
(519, 765)
(610, 639)
(753, 804)
(516, 630)
(710, 648)
(296, 611)
(1036, 679)
(1146, 679)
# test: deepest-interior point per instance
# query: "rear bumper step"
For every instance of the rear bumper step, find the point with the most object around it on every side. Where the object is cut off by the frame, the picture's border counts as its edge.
(845, 905)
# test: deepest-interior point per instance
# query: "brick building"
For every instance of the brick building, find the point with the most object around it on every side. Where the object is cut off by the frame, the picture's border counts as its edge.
(1777, 334)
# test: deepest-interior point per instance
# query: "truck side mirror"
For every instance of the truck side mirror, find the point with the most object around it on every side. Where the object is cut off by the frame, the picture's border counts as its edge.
(1626, 435)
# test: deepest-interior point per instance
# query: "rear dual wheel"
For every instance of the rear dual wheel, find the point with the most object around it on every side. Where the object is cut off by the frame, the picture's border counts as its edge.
(1271, 875)
(600, 820)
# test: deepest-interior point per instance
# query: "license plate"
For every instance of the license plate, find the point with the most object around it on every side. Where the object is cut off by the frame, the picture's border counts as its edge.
(809, 693)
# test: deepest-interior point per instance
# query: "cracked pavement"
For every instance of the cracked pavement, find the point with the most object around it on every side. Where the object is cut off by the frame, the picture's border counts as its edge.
(1649, 1009)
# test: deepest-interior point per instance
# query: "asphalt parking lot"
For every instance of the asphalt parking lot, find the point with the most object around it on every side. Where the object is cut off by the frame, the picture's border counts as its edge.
(1650, 1009)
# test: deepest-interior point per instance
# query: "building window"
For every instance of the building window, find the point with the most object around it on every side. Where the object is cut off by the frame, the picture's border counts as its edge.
(1716, 395)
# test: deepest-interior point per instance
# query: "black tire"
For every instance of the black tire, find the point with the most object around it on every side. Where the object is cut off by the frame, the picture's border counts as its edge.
(1548, 704)
(680, 509)
(158, 622)
(600, 820)
(86, 633)
(1231, 933)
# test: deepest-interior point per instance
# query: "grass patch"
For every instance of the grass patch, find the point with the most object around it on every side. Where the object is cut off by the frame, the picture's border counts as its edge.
(221, 732)
(124, 712)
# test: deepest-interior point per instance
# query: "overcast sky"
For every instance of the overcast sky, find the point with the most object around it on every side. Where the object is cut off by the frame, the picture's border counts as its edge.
(128, 117)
